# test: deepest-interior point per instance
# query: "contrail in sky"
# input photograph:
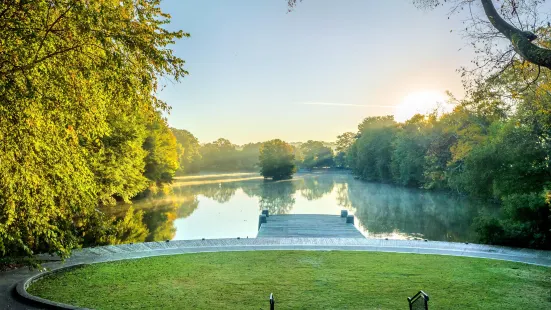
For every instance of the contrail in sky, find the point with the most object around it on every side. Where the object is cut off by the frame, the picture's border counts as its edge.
(347, 105)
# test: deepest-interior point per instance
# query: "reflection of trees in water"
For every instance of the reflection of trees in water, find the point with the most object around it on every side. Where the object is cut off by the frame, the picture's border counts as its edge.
(187, 208)
(384, 209)
(277, 197)
(221, 192)
(160, 224)
(316, 186)
(159, 213)
(342, 195)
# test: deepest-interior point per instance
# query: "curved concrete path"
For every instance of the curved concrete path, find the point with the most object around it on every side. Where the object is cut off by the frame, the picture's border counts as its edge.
(8, 280)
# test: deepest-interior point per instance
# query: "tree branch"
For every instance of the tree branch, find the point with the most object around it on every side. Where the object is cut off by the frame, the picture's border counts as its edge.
(521, 40)
(50, 29)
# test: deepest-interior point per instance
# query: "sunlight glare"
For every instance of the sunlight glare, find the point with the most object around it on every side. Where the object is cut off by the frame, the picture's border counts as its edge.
(422, 102)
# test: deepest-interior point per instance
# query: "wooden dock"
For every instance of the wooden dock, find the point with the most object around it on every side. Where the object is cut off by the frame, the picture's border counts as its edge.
(307, 226)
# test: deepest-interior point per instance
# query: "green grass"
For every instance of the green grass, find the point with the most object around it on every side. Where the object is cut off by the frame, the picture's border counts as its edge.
(301, 280)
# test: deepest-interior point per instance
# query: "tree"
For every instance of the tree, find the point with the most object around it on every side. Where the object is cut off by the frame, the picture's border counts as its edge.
(276, 160)
(371, 159)
(220, 155)
(190, 157)
(71, 74)
(162, 159)
(248, 156)
(408, 151)
(316, 154)
(344, 142)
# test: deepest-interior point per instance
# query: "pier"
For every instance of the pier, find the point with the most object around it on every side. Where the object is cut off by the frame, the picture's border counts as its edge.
(307, 226)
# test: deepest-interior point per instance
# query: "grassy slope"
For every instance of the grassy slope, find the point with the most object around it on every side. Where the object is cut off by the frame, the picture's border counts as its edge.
(301, 280)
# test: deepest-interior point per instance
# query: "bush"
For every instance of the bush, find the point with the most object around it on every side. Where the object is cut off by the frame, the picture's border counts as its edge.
(526, 222)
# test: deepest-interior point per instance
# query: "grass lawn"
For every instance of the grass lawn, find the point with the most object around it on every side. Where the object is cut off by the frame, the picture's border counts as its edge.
(301, 280)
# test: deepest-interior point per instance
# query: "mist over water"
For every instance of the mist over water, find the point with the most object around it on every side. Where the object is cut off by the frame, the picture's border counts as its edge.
(228, 205)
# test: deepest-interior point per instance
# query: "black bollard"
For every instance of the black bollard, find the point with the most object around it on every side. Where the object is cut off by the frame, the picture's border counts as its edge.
(272, 301)
(344, 213)
(350, 219)
(266, 212)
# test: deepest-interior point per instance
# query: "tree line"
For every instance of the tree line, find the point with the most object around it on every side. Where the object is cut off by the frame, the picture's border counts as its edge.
(224, 156)
(495, 146)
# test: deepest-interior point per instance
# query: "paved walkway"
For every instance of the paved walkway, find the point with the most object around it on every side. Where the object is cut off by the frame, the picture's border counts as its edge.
(8, 280)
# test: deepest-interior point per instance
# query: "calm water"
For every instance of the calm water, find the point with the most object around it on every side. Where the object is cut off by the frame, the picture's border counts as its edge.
(228, 205)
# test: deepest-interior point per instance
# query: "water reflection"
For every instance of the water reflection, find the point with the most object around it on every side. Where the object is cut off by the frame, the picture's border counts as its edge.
(227, 206)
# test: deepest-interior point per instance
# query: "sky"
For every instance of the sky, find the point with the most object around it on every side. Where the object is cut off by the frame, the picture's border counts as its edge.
(258, 72)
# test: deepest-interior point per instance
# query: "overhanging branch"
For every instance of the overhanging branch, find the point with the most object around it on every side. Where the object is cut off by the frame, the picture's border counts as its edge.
(521, 40)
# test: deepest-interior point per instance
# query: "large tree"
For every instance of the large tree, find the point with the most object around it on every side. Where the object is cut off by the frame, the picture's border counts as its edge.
(190, 156)
(78, 82)
(277, 160)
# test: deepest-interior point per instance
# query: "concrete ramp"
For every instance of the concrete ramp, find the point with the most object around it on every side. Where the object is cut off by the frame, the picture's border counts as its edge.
(307, 226)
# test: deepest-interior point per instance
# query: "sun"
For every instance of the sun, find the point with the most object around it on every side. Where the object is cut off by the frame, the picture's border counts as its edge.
(422, 102)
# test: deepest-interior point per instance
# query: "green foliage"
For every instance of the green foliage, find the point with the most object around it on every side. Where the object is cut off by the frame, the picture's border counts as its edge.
(220, 155)
(526, 222)
(373, 149)
(511, 160)
(190, 157)
(315, 154)
(162, 158)
(344, 142)
(128, 229)
(117, 159)
(248, 156)
(409, 149)
(78, 85)
(277, 160)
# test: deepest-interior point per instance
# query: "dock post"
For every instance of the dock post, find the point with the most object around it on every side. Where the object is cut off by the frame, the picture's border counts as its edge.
(266, 212)
(261, 220)
(350, 219)
(344, 213)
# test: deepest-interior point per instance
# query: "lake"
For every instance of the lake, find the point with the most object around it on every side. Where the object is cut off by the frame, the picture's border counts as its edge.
(228, 205)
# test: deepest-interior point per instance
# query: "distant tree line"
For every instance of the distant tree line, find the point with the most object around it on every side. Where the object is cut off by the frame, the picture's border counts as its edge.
(223, 156)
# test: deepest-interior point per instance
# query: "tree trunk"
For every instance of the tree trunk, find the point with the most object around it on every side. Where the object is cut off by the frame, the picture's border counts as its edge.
(521, 40)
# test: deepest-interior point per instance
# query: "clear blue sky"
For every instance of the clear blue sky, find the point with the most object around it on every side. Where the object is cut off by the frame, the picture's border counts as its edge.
(253, 66)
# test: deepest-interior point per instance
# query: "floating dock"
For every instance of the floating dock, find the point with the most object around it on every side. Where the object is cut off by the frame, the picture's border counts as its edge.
(307, 226)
